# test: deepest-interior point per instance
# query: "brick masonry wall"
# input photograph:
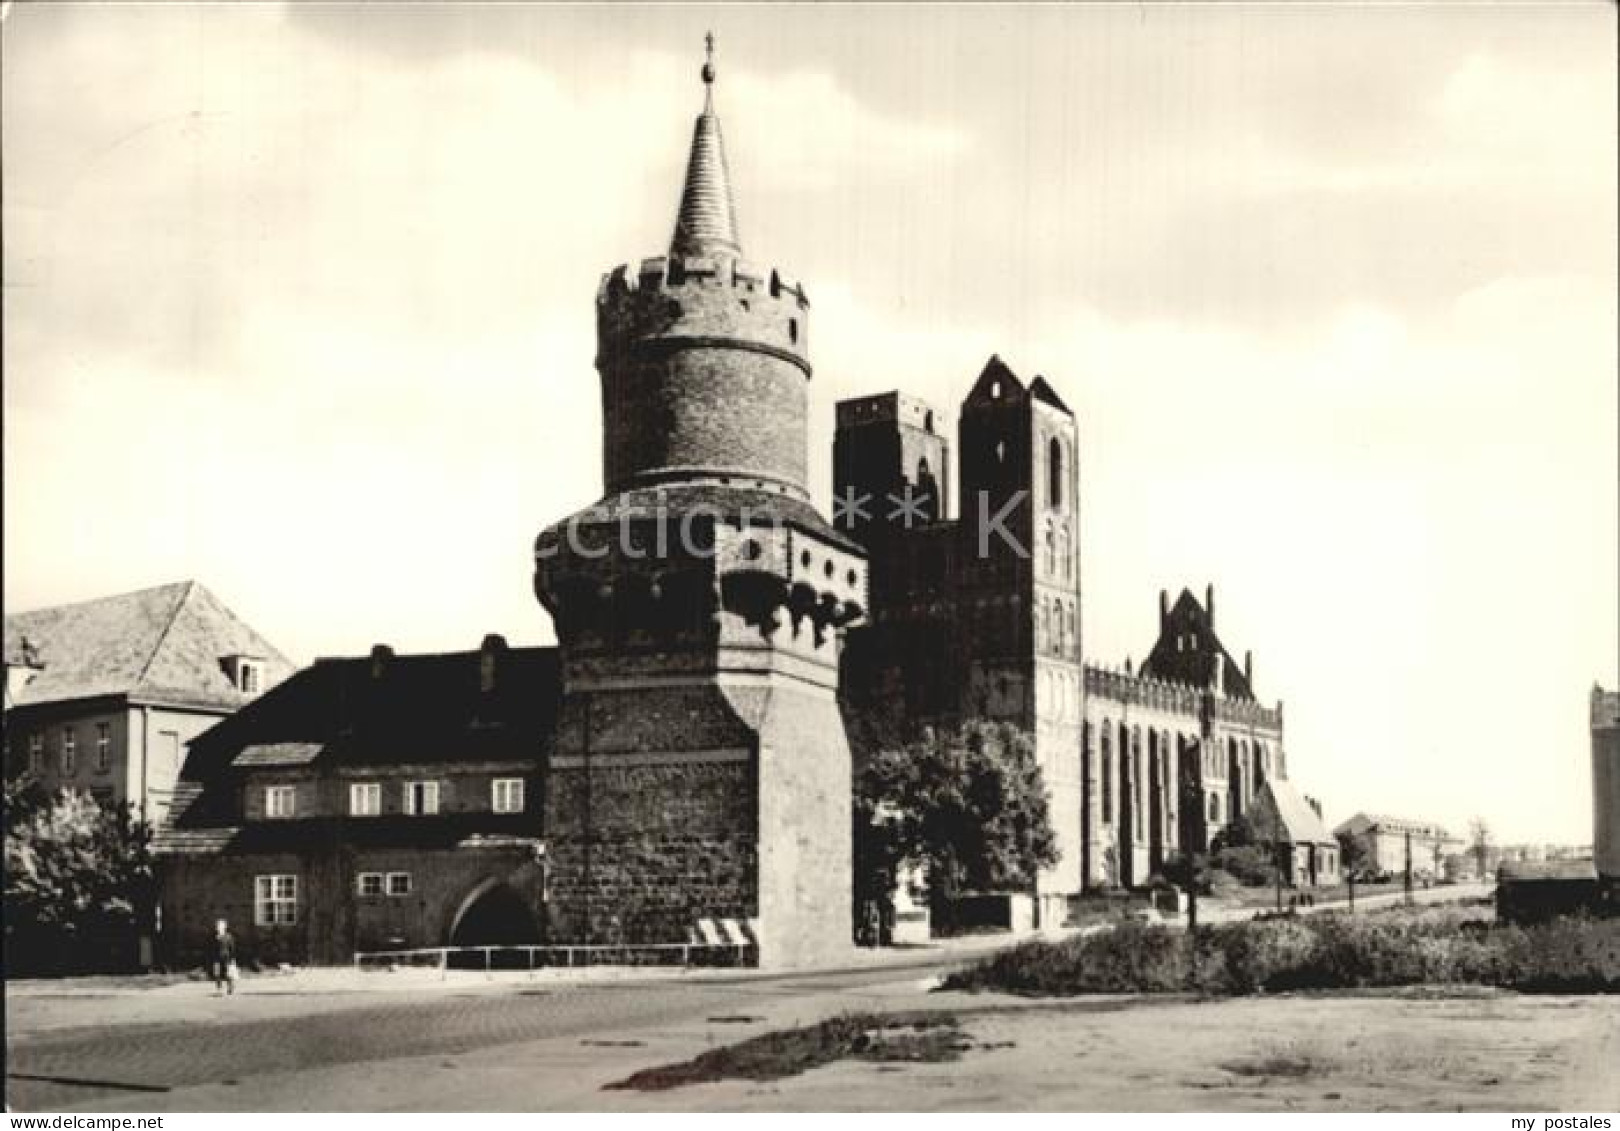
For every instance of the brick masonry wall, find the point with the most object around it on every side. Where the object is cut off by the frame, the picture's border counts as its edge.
(703, 369)
(333, 919)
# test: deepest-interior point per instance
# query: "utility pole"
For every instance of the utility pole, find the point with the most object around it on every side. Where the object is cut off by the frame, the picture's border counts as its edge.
(1406, 881)
(1277, 867)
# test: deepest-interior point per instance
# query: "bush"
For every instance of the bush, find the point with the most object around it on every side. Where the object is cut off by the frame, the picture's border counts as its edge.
(1129, 958)
(1440, 946)
(1250, 864)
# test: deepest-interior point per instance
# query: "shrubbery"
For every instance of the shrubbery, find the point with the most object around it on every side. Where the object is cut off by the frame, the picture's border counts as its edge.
(1320, 952)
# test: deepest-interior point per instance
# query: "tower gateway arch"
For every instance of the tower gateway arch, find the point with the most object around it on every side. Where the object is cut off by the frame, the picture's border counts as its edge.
(701, 769)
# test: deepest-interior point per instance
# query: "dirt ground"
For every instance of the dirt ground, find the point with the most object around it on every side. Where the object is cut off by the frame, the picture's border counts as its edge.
(1415, 1051)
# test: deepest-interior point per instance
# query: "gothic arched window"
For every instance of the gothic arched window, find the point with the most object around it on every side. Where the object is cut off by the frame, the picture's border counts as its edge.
(1054, 467)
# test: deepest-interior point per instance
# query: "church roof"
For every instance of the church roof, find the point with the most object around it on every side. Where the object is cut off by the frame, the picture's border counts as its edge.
(1300, 822)
(1168, 662)
(706, 225)
(165, 644)
(1041, 390)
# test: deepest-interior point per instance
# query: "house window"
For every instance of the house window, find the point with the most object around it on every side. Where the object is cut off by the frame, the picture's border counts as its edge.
(275, 900)
(421, 798)
(399, 883)
(103, 747)
(278, 801)
(36, 753)
(248, 677)
(1214, 807)
(365, 799)
(1054, 462)
(508, 795)
(369, 883)
(70, 750)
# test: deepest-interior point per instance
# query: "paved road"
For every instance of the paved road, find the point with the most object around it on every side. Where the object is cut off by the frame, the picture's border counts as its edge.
(132, 1060)
(54, 1069)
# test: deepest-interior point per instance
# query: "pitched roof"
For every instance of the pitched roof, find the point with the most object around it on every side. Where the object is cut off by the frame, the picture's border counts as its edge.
(997, 384)
(392, 710)
(1042, 391)
(1168, 662)
(1363, 821)
(1299, 820)
(160, 645)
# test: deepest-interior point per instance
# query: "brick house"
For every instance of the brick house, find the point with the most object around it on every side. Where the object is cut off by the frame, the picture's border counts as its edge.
(371, 803)
(103, 695)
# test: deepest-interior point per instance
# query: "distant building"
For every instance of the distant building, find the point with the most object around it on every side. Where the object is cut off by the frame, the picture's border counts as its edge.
(1282, 817)
(370, 803)
(103, 695)
(1383, 841)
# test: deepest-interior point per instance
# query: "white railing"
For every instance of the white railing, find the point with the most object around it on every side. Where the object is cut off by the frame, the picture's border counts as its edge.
(568, 955)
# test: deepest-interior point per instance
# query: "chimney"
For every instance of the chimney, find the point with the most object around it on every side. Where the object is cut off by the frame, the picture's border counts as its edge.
(1209, 605)
(489, 660)
(381, 654)
(1217, 675)
(1248, 668)
(1164, 610)
(1127, 665)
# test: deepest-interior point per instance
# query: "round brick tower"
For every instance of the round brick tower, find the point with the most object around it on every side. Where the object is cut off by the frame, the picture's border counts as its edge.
(701, 774)
(703, 357)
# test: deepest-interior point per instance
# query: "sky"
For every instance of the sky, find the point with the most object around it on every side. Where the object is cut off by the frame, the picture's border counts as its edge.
(298, 303)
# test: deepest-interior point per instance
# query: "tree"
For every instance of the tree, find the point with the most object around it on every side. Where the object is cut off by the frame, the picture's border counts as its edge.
(1479, 843)
(1352, 855)
(79, 881)
(968, 807)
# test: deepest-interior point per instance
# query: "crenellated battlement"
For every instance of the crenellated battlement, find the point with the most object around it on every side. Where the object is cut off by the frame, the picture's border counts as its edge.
(713, 300)
(1246, 712)
(1125, 687)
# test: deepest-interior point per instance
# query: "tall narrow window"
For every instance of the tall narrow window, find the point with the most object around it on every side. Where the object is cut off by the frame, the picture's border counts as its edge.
(1054, 468)
(103, 747)
(36, 753)
(1107, 773)
(70, 750)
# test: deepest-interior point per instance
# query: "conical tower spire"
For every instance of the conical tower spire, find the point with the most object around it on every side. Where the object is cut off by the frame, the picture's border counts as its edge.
(707, 223)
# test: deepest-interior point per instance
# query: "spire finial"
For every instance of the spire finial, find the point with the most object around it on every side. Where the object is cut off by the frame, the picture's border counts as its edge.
(706, 225)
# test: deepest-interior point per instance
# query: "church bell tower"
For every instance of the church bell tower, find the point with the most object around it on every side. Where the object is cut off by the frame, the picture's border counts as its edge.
(701, 770)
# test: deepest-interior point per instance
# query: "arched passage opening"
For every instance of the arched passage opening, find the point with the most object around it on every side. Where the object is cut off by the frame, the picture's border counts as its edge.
(495, 914)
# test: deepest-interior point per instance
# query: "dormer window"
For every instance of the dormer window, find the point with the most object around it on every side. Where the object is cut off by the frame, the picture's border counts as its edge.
(246, 673)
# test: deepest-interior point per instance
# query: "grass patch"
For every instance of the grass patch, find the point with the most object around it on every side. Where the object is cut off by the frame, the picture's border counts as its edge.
(1266, 1067)
(922, 1037)
(1430, 946)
